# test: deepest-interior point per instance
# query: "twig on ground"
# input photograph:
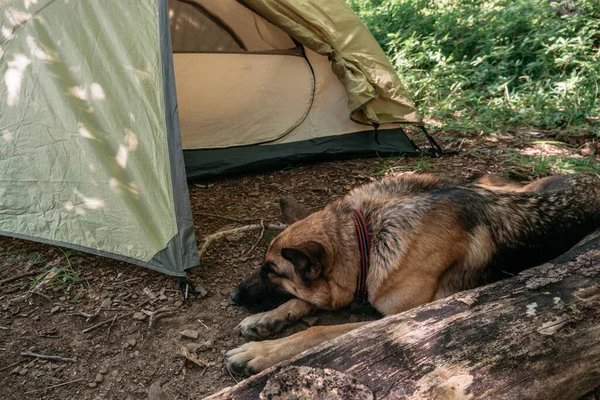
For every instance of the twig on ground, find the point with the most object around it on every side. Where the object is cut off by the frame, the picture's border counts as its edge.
(47, 278)
(12, 365)
(127, 281)
(17, 277)
(99, 324)
(55, 386)
(109, 327)
(35, 290)
(45, 296)
(262, 232)
(224, 217)
(211, 238)
(82, 314)
(231, 375)
(160, 313)
(193, 358)
(44, 357)
(203, 324)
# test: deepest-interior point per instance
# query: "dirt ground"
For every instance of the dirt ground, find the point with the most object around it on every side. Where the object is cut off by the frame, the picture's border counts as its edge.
(123, 357)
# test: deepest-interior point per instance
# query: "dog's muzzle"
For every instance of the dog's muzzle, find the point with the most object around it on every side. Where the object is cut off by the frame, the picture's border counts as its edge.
(258, 293)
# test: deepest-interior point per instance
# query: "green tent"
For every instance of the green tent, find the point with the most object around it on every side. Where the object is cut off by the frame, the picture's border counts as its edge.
(101, 103)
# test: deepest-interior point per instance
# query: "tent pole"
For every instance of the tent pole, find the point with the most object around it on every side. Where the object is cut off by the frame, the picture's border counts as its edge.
(437, 150)
(187, 287)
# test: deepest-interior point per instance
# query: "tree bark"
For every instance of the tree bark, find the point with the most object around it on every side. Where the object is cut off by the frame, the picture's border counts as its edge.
(533, 336)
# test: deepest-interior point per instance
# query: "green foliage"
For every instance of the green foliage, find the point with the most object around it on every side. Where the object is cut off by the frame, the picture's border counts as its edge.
(495, 64)
(541, 166)
(65, 276)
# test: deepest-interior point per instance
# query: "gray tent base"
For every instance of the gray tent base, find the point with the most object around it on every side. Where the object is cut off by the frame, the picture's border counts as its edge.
(210, 163)
(152, 264)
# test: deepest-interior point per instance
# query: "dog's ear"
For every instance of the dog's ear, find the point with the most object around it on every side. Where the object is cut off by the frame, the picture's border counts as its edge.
(292, 211)
(307, 259)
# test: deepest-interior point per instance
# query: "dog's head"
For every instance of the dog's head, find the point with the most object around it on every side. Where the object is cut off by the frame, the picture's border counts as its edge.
(293, 263)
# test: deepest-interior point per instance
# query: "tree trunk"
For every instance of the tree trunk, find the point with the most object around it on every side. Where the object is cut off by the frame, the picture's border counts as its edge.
(533, 336)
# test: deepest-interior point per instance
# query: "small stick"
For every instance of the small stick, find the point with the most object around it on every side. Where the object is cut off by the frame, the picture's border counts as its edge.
(111, 325)
(55, 386)
(211, 238)
(44, 357)
(127, 281)
(47, 278)
(203, 324)
(160, 314)
(82, 314)
(12, 365)
(99, 324)
(224, 217)
(16, 277)
(231, 375)
(191, 357)
(262, 232)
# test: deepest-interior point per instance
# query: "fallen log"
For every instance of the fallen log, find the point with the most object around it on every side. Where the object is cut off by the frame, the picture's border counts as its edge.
(534, 336)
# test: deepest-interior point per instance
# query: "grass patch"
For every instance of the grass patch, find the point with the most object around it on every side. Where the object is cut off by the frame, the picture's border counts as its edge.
(493, 65)
(64, 276)
(390, 165)
(541, 166)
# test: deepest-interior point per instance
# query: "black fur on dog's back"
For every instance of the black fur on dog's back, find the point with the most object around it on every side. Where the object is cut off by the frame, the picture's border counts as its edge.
(528, 228)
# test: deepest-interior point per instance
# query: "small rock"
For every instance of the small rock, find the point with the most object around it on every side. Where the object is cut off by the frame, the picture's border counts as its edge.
(310, 321)
(55, 309)
(178, 303)
(353, 318)
(132, 342)
(103, 370)
(16, 370)
(63, 298)
(190, 334)
(149, 293)
(193, 347)
(225, 292)
(200, 289)
(224, 304)
(99, 378)
(162, 297)
(106, 303)
(155, 392)
(92, 384)
(125, 345)
(140, 316)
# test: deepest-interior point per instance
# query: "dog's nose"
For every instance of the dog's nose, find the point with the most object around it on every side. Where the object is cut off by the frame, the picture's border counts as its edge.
(235, 295)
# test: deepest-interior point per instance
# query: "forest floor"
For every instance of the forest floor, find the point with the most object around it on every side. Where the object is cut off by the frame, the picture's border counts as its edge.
(55, 310)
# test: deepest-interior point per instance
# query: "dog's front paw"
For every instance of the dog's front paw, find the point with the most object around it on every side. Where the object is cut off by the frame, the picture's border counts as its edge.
(261, 326)
(249, 358)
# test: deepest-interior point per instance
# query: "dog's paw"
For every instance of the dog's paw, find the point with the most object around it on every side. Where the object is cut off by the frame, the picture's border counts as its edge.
(261, 326)
(249, 359)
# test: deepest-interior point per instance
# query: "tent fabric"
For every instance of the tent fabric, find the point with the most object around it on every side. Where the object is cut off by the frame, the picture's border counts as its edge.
(331, 28)
(254, 32)
(207, 163)
(258, 98)
(194, 30)
(88, 133)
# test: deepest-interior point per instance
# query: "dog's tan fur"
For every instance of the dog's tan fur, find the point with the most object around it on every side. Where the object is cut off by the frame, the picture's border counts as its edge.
(430, 238)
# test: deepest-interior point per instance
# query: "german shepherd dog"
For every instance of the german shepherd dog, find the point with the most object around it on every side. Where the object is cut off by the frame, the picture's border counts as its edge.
(422, 238)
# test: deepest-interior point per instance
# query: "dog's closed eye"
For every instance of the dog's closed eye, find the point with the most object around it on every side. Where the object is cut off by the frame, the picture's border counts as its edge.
(271, 270)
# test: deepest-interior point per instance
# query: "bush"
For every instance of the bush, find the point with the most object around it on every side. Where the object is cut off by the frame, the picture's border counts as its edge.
(495, 64)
